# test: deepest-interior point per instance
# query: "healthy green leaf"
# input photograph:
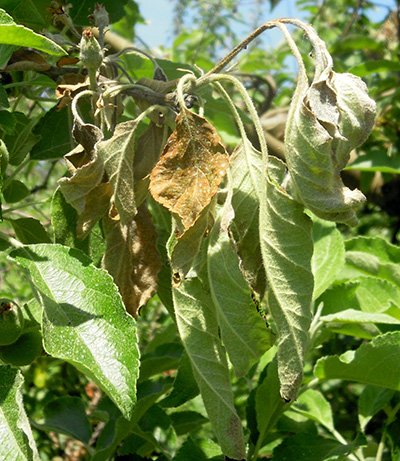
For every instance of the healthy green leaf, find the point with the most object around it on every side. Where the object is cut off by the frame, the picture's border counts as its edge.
(17, 442)
(286, 246)
(198, 329)
(372, 400)
(375, 363)
(375, 66)
(328, 256)
(243, 330)
(313, 405)
(372, 256)
(54, 131)
(84, 320)
(13, 34)
(68, 416)
(376, 161)
(6, 50)
(3, 96)
(29, 230)
(15, 191)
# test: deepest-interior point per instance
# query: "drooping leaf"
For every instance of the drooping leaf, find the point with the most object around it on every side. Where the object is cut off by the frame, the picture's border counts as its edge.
(247, 179)
(117, 154)
(326, 121)
(132, 258)
(198, 329)
(84, 321)
(383, 352)
(328, 256)
(85, 165)
(190, 169)
(286, 246)
(17, 441)
(244, 332)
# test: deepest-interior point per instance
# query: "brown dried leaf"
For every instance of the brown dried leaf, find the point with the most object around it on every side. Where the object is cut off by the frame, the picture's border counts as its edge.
(24, 59)
(70, 86)
(132, 258)
(190, 169)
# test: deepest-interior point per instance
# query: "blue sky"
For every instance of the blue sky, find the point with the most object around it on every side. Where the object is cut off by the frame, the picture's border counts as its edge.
(158, 13)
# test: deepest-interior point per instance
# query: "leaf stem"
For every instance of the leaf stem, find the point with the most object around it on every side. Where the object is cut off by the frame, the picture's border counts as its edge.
(390, 419)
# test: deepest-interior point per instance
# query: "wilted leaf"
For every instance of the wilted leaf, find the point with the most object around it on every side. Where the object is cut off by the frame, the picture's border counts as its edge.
(86, 166)
(149, 146)
(25, 59)
(132, 258)
(286, 246)
(190, 169)
(118, 155)
(326, 121)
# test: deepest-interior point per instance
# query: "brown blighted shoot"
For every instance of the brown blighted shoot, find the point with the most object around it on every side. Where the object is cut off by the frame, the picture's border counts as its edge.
(190, 169)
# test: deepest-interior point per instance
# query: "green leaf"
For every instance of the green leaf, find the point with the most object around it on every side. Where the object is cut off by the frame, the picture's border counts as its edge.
(372, 400)
(29, 230)
(21, 142)
(190, 450)
(13, 34)
(307, 447)
(358, 42)
(163, 358)
(82, 8)
(286, 246)
(3, 96)
(375, 66)
(187, 421)
(31, 13)
(198, 329)
(6, 50)
(354, 316)
(118, 154)
(368, 294)
(243, 330)
(376, 160)
(17, 442)
(184, 387)
(68, 416)
(371, 256)
(84, 320)
(313, 405)
(269, 405)
(375, 363)
(15, 191)
(8, 122)
(328, 256)
(53, 131)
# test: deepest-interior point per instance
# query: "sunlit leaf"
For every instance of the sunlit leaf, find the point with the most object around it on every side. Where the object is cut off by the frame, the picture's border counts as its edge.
(84, 321)
(17, 442)
(190, 169)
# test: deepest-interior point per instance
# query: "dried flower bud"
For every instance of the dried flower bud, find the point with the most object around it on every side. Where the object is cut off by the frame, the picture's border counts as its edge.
(91, 54)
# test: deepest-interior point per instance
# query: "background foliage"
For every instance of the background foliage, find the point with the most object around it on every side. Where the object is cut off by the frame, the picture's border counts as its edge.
(349, 400)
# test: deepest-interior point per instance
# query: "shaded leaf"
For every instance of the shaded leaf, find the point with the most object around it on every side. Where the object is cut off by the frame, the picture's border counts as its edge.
(15, 191)
(29, 230)
(198, 329)
(17, 441)
(372, 400)
(3, 97)
(132, 258)
(190, 169)
(187, 421)
(68, 416)
(313, 405)
(383, 352)
(286, 246)
(117, 154)
(84, 321)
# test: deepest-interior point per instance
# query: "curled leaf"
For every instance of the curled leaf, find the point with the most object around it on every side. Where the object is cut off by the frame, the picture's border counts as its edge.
(326, 121)
(190, 169)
